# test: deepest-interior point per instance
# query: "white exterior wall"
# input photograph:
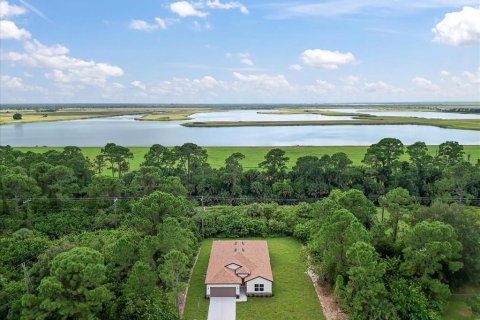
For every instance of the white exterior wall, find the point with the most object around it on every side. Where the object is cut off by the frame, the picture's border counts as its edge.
(267, 285)
(237, 287)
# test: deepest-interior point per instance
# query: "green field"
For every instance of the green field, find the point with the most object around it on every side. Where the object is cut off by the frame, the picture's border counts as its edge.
(63, 114)
(294, 295)
(255, 155)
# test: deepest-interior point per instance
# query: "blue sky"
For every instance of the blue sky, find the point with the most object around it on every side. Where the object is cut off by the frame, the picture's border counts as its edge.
(221, 51)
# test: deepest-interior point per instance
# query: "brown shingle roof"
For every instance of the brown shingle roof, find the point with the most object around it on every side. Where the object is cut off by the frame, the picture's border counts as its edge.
(251, 255)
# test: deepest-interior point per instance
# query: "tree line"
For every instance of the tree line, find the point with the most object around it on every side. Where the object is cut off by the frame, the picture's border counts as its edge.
(91, 239)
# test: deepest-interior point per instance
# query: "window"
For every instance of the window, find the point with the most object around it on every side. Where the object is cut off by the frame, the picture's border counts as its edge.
(259, 287)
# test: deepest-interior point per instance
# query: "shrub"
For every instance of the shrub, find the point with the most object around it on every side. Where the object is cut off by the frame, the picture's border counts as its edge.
(17, 116)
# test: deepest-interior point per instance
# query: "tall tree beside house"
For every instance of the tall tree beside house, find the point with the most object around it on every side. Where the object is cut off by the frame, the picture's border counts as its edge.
(329, 245)
(75, 288)
(172, 272)
(431, 249)
(144, 300)
(362, 208)
(364, 294)
(465, 221)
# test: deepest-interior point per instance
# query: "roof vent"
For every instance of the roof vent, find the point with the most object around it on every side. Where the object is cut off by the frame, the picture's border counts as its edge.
(235, 249)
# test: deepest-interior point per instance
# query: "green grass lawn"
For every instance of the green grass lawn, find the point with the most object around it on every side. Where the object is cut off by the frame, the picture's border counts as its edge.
(458, 310)
(294, 295)
(255, 155)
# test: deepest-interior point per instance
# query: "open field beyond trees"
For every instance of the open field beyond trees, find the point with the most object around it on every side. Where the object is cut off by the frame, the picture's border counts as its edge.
(62, 114)
(294, 295)
(255, 155)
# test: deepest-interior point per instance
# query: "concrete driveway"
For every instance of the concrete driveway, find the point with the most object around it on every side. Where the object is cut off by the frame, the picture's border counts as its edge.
(222, 308)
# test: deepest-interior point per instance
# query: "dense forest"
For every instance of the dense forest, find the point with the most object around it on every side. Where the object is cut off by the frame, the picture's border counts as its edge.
(90, 239)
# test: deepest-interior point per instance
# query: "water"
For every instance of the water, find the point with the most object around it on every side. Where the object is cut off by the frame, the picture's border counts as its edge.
(125, 130)
(254, 115)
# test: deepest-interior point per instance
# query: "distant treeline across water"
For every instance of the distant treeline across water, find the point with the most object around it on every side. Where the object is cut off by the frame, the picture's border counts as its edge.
(461, 107)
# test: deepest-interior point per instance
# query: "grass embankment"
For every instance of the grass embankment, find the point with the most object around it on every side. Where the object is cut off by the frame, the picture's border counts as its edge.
(294, 295)
(172, 114)
(6, 116)
(46, 115)
(255, 155)
(464, 124)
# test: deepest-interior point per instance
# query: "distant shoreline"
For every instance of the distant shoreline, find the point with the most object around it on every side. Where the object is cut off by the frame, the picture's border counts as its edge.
(461, 124)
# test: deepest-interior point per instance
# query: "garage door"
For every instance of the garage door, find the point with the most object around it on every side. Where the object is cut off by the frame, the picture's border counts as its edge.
(223, 292)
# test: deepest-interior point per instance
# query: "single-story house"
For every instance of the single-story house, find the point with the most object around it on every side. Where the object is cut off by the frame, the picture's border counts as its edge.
(239, 266)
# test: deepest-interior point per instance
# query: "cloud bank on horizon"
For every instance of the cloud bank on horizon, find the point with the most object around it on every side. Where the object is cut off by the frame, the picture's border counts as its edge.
(222, 51)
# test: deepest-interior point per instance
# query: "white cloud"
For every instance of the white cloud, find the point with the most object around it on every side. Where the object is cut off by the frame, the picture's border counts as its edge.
(243, 58)
(163, 23)
(186, 9)
(65, 69)
(117, 85)
(424, 84)
(295, 67)
(320, 87)
(381, 86)
(11, 82)
(199, 26)
(473, 77)
(142, 25)
(9, 30)
(138, 84)
(185, 89)
(460, 28)
(263, 81)
(7, 10)
(326, 59)
(444, 73)
(217, 4)
(247, 61)
(351, 80)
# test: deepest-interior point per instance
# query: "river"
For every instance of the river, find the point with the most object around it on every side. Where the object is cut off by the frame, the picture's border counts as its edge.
(125, 130)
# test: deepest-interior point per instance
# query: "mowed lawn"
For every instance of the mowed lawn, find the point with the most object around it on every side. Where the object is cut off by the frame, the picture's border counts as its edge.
(294, 294)
(458, 310)
(255, 155)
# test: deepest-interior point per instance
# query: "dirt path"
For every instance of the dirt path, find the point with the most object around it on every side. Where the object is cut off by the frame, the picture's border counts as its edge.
(330, 307)
(183, 298)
